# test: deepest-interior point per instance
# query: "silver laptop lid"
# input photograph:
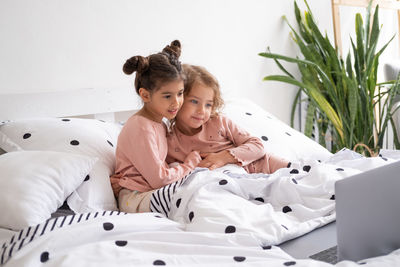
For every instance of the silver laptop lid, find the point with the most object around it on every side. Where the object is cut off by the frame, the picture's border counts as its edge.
(368, 213)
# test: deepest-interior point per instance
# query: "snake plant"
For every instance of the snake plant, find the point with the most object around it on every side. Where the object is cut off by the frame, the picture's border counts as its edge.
(345, 101)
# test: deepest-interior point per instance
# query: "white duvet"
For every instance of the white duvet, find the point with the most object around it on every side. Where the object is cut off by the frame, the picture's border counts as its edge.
(224, 218)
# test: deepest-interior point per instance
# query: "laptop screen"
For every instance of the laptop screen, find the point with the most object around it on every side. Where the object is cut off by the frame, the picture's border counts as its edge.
(368, 213)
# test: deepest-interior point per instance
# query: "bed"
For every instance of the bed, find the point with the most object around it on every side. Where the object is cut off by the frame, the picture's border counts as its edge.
(57, 206)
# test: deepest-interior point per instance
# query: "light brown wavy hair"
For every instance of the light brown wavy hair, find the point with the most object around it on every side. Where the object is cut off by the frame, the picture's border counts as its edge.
(198, 74)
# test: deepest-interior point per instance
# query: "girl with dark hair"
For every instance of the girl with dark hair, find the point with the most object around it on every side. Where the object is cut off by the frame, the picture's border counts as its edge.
(142, 144)
(198, 126)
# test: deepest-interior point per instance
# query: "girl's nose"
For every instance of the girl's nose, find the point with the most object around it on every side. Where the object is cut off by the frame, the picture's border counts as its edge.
(200, 109)
(176, 100)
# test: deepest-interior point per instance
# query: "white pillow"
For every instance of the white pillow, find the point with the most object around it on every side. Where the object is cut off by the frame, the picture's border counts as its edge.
(80, 136)
(278, 138)
(33, 184)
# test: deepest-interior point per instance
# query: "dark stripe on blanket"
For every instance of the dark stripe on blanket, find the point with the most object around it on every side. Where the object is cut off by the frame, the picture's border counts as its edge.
(161, 199)
(18, 241)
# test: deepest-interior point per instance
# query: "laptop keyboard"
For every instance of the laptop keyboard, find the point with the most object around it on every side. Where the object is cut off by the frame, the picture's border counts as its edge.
(328, 255)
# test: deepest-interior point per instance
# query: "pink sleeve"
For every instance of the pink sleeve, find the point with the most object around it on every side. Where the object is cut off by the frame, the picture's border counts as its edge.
(147, 152)
(247, 148)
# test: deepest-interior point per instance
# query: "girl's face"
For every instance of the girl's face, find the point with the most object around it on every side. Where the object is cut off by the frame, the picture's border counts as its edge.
(166, 101)
(196, 109)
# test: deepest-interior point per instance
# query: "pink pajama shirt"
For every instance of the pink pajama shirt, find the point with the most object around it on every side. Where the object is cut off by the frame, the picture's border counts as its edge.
(219, 134)
(140, 157)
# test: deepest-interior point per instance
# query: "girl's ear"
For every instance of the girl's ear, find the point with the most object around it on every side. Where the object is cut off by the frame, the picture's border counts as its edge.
(144, 94)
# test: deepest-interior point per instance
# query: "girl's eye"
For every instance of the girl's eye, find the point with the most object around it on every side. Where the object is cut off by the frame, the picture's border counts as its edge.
(167, 96)
(180, 93)
(208, 105)
(194, 101)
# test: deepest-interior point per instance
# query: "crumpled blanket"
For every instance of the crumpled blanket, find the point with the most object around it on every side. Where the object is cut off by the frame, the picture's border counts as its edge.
(271, 207)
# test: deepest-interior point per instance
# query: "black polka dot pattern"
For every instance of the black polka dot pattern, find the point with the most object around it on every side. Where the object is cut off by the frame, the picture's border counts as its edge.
(223, 182)
(340, 169)
(230, 229)
(332, 197)
(74, 142)
(159, 263)
(65, 120)
(264, 138)
(284, 227)
(26, 136)
(294, 181)
(286, 209)
(288, 134)
(121, 243)
(178, 202)
(191, 215)
(239, 258)
(111, 144)
(294, 171)
(307, 168)
(266, 247)
(248, 114)
(44, 256)
(87, 178)
(289, 263)
(108, 226)
(288, 165)
(259, 199)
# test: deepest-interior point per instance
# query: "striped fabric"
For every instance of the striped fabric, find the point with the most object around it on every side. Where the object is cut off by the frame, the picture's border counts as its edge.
(161, 199)
(27, 235)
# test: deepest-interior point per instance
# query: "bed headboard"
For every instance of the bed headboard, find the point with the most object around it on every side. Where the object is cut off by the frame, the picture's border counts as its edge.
(114, 104)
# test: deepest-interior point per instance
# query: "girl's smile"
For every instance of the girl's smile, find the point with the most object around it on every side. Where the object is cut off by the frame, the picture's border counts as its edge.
(196, 109)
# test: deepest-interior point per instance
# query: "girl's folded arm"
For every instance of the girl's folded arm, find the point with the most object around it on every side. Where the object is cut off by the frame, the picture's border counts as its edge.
(152, 165)
(248, 148)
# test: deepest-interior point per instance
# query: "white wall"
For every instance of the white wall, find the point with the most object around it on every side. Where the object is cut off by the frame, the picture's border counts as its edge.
(56, 45)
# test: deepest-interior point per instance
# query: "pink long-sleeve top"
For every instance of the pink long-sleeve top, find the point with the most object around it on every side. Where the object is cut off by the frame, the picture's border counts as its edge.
(140, 157)
(217, 134)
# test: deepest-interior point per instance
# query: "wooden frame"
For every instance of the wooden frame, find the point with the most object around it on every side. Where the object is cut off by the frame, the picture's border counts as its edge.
(387, 4)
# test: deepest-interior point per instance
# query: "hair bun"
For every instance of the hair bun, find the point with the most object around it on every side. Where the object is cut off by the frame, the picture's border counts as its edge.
(136, 63)
(173, 50)
(176, 43)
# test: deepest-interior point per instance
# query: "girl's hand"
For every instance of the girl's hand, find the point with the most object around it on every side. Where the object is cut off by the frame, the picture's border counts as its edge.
(216, 160)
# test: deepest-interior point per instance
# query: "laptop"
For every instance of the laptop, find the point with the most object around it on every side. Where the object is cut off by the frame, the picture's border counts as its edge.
(368, 213)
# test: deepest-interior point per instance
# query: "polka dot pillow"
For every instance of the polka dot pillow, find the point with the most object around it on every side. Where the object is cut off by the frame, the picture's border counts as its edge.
(278, 138)
(80, 136)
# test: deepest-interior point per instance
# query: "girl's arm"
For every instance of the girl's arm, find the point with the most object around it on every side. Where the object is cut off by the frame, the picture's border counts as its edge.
(247, 148)
(148, 156)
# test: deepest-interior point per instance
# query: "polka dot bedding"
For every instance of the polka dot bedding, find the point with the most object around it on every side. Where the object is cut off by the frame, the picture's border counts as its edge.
(88, 137)
(221, 218)
(277, 137)
(273, 208)
(113, 238)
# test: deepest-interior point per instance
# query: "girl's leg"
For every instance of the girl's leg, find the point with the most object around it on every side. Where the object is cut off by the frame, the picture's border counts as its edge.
(132, 201)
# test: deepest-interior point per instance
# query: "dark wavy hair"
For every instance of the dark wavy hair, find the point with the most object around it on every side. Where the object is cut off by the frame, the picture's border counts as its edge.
(156, 69)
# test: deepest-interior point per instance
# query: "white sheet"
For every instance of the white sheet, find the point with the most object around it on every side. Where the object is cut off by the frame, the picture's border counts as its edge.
(272, 208)
(149, 239)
